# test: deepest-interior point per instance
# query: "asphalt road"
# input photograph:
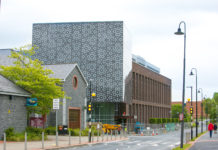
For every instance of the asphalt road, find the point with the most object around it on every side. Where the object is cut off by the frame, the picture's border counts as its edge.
(158, 142)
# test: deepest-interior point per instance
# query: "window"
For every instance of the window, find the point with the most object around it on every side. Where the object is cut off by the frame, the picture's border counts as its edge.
(75, 82)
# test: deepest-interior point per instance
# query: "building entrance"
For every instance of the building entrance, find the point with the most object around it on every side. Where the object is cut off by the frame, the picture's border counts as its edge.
(74, 118)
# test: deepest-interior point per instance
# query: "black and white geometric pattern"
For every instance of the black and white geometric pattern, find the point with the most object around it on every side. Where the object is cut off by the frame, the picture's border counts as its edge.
(97, 47)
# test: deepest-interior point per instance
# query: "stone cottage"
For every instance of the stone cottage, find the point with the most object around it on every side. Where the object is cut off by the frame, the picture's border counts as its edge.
(13, 111)
(72, 112)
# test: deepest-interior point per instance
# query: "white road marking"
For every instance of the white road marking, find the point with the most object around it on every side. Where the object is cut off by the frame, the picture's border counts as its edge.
(155, 145)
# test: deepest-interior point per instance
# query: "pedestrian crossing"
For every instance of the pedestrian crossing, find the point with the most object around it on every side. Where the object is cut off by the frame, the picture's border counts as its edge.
(139, 143)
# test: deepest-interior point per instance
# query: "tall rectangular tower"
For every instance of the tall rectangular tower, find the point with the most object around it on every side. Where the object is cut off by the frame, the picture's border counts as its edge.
(101, 49)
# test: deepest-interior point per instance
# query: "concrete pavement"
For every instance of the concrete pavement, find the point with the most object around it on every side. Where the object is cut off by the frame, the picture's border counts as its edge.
(205, 142)
(63, 142)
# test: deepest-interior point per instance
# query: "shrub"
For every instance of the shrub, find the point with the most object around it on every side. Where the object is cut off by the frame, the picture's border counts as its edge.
(50, 130)
(158, 120)
(85, 132)
(74, 132)
(175, 120)
(33, 134)
(9, 132)
(152, 120)
(164, 120)
(168, 120)
(34, 130)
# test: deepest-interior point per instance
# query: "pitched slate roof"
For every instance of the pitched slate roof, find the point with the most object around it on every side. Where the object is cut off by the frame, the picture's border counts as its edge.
(61, 71)
(6, 61)
(7, 87)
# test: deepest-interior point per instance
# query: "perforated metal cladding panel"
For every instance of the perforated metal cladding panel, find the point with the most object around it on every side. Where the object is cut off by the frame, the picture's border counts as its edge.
(97, 47)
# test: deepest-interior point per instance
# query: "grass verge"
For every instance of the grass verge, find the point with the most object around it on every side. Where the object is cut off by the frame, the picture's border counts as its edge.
(185, 146)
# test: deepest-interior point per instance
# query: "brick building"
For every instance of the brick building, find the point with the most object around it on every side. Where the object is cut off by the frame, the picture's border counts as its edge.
(188, 105)
(151, 94)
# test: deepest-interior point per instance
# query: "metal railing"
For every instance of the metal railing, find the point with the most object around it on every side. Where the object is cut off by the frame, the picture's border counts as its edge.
(62, 140)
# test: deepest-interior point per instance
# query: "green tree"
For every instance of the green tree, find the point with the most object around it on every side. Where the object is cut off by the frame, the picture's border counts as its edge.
(30, 75)
(176, 109)
(210, 106)
(215, 97)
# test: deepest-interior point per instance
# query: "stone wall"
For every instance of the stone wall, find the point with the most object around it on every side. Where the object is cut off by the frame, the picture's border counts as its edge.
(16, 117)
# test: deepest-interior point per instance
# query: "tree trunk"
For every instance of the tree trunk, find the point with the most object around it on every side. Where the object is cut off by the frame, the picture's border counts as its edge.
(44, 120)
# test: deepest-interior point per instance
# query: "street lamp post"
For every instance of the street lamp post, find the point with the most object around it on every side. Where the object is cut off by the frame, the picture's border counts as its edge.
(201, 91)
(179, 32)
(206, 110)
(196, 98)
(191, 113)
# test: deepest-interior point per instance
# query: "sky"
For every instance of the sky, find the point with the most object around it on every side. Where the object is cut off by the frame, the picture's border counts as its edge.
(151, 24)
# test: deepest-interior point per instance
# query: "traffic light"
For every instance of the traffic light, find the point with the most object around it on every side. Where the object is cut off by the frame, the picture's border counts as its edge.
(89, 107)
(93, 94)
(191, 110)
(188, 99)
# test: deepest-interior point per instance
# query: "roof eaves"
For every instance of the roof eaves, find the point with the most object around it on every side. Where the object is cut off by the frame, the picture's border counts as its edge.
(82, 74)
(15, 94)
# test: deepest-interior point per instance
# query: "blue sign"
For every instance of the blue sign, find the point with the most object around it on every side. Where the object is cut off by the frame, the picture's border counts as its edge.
(31, 102)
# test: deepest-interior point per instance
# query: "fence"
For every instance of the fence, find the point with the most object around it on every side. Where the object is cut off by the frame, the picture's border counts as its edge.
(155, 129)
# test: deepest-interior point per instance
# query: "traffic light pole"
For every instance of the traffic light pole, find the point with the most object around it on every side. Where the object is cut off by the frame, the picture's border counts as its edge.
(191, 115)
(191, 112)
(90, 125)
(90, 114)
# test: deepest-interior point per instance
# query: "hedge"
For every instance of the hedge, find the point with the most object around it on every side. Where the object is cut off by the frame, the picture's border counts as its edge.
(166, 120)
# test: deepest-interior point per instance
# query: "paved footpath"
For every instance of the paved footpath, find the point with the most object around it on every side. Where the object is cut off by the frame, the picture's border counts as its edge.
(63, 142)
(206, 143)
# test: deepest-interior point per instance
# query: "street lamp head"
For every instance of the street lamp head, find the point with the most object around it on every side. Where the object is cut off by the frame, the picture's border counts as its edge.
(191, 73)
(179, 32)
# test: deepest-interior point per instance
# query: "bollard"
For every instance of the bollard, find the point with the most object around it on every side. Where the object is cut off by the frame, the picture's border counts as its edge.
(56, 138)
(93, 136)
(102, 136)
(115, 135)
(79, 136)
(42, 140)
(98, 136)
(4, 148)
(120, 134)
(125, 134)
(111, 134)
(69, 137)
(25, 143)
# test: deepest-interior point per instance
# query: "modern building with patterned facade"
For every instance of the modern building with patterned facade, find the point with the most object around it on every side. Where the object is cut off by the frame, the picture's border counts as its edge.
(151, 94)
(103, 52)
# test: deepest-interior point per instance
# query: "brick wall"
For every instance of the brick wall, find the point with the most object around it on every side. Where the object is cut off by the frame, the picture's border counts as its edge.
(151, 94)
(188, 105)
